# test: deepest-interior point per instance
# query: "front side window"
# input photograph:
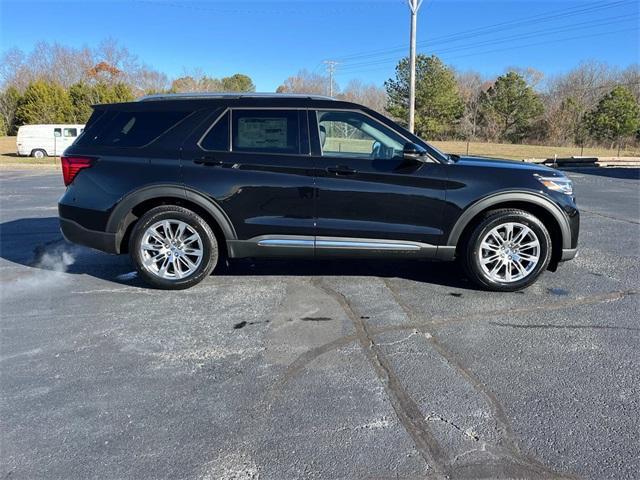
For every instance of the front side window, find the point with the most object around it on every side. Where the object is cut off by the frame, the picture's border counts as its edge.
(70, 132)
(266, 131)
(354, 134)
(57, 132)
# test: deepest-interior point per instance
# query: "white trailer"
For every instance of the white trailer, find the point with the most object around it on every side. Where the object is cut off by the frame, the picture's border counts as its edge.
(46, 140)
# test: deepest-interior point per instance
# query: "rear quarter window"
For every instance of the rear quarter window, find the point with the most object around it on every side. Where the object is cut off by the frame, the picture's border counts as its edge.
(129, 129)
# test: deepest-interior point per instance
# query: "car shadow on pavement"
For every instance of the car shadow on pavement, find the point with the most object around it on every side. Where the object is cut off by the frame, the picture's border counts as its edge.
(626, 173)
(38, 243)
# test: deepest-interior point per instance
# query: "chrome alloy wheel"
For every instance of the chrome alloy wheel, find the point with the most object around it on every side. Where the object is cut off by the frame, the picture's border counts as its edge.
(509, 252)
(171, 249)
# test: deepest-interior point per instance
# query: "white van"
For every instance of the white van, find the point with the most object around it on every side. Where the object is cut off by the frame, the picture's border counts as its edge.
(46, 140)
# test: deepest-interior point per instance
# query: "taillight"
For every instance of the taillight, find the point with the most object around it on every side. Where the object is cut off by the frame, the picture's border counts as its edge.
(72, 165)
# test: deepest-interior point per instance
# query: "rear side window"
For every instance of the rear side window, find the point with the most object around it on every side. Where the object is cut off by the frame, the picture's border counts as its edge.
(266, 131)
(217, 138)
(129, 129)
(70, 132)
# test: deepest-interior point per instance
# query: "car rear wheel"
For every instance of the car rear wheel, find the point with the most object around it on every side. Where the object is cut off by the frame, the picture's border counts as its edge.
(507, 251)
(38, 153)
(173, 248)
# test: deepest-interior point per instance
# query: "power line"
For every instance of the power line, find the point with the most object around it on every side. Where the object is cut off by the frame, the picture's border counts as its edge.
(512, 48)
(493, 28)
(591, 23)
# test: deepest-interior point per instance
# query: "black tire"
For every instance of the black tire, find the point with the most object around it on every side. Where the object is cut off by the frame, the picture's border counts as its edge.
(470, 257)
(173, 212)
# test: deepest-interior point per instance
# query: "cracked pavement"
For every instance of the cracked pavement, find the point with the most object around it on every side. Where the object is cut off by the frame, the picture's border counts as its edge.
(327, 370)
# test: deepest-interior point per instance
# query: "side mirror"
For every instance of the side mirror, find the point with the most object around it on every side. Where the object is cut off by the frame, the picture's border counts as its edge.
(411, 151)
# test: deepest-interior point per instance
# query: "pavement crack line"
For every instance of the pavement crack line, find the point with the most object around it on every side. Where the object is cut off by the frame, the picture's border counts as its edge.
(426, 327)
(562, 327)
(407, 410)
(497, 411)
(611, 217)
(468, 432)
(543, 307)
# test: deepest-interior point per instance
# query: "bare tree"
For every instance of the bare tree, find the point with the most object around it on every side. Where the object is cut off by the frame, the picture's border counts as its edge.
(630, 78)
(369, 95)
(306, 82)
(568, 97)
(471, 86)
(532, 76)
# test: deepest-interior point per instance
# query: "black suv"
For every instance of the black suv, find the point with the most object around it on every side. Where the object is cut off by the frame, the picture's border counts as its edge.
(181, 181)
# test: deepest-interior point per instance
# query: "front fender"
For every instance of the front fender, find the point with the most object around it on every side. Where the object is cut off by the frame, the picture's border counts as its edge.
(497, 199)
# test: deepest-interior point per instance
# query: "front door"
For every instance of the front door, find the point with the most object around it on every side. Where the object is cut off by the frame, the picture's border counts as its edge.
(256, 165)
(366, 190)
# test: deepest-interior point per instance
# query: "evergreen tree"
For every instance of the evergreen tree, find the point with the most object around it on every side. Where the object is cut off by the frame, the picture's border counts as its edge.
(616, 116)
(439, 104)
(512, 105)
(44, 102)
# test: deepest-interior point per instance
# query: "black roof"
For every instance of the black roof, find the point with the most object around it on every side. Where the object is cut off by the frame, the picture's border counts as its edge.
(198, 101)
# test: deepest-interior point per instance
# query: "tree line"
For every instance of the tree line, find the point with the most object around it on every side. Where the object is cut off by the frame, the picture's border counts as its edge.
(591, 104)
(59, 84)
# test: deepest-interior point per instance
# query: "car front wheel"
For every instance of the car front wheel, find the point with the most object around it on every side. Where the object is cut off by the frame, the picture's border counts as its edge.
(173, 248)
(507, 251)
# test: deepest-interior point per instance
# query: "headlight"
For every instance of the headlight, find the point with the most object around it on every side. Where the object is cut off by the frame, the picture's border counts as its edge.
(559, 184)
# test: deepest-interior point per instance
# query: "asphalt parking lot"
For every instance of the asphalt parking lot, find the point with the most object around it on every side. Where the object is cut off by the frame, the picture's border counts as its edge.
(332, 370)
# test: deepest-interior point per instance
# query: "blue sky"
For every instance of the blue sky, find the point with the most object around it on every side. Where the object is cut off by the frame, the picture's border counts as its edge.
(270, 40)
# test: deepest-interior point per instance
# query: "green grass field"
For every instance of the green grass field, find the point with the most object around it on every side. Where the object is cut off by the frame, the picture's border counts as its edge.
(9, 159)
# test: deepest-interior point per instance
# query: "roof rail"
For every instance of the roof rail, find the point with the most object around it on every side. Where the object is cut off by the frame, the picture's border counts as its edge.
(213, 95)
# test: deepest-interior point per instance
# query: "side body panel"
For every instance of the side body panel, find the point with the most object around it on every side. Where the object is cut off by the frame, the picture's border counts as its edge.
(261, 193)
(392, 198)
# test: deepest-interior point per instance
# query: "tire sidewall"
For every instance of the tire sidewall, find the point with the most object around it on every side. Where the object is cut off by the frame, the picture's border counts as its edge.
(491, 222)
(209, 247)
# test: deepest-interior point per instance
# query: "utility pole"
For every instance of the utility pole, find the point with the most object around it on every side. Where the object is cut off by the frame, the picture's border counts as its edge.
(414, 6)
(331, 68)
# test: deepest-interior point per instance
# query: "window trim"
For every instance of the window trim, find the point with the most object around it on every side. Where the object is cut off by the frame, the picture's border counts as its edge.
(213, 124)
(316, 110)
(237, 152)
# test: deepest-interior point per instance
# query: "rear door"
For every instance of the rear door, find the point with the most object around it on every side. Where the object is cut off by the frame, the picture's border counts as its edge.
(366, 189)
(256, 164)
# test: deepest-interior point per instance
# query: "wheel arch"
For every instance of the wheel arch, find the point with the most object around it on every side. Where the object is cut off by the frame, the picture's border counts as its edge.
(548, 212)
(135, 204)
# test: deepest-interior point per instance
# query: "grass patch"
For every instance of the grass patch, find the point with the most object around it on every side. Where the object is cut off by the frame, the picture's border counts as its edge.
(520, 152)
(10, 159)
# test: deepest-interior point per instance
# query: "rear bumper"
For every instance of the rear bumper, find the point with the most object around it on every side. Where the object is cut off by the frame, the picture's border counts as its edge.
(76, 233)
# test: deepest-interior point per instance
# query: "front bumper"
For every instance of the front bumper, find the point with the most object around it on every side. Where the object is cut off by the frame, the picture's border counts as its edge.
(76, 233)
